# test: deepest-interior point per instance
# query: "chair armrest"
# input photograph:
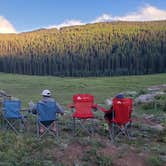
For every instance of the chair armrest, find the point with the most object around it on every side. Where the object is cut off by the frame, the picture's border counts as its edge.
(26, 110)
(70, 105)
(101, 109)
(94, 107)
(61, 113)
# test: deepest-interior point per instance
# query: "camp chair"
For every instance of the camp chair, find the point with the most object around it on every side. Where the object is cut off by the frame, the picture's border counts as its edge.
(121, 121)
(46, 117)
(82, 112)
(11, 115)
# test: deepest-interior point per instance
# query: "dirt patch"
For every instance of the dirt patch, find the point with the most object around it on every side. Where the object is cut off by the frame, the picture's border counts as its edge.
(144, 121)
(109, 150)
(130, 159)
(71, 154)
(124, 155)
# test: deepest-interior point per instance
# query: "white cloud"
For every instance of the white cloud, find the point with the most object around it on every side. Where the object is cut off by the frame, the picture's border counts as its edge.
(6, 26)
(147, 13)
(103, 18)
(66, 24)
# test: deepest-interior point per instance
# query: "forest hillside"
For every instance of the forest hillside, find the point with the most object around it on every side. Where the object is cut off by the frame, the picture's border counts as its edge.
(101, 49)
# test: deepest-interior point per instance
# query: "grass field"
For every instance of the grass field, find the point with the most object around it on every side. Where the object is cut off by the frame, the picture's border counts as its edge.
(30, 87)
(147, 149)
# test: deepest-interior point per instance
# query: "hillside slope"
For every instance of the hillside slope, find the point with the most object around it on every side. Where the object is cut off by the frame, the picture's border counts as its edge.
(101, 49)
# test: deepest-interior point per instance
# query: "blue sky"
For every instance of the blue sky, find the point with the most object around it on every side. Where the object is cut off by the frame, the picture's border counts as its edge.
(24, 15)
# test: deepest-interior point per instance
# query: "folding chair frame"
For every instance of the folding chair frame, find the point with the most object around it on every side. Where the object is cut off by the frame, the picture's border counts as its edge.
(122, 128)
(80, 122)
(116, 130)
(47, 129)
(52, 117)
(11, 122)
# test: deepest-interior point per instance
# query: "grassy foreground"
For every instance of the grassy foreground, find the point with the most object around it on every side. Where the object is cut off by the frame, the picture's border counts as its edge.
(30, 87)
(147, 149)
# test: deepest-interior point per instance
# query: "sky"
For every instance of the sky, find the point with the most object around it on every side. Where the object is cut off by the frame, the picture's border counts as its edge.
(26, 15)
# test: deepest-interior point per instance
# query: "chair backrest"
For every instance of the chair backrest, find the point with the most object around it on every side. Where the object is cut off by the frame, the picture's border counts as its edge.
(122, 110)
(46, 111)
(12, 108)
(83, 106)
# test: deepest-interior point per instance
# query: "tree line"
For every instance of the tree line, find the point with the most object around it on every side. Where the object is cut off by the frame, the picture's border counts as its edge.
(101, 49)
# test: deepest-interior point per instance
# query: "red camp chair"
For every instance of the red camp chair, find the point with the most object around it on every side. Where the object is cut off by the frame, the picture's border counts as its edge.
(121, 121)
(83, 104)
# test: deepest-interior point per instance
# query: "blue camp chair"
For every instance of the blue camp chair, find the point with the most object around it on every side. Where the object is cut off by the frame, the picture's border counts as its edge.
(46, 116)
(11, 115)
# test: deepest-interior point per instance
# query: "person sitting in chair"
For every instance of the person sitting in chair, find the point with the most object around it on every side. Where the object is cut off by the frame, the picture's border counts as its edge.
(46, 97)
(110, 113)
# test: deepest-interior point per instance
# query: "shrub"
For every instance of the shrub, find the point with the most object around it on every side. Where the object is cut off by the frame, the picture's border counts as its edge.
(142, 92)
(103, 160)
(154, 161)
(160, 102)
(164, 107)
(147, 106)
(98, 158)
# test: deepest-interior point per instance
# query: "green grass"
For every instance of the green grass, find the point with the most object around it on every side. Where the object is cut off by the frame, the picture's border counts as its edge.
(32, 152)
(29, 87)
(22, 150)
(154, 161)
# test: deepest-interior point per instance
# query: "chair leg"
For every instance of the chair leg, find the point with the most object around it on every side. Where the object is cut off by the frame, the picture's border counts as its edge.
(37, 126)
(117, 131)
(57, 129)
(3, 124)
(86, 129)
(128, 130)
(92, 127)
(11, 126)
(81, 124)
(112, 132)
(74, 126)
(21, 125)
(47, 129)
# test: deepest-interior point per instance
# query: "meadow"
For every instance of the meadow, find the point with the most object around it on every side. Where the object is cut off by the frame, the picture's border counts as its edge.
(147, 149)
(28, 88)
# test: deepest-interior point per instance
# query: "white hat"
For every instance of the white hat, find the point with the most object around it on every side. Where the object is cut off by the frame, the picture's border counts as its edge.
(46, 92)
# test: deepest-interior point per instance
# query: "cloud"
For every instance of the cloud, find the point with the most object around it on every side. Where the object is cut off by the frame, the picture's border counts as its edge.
(147, 13)
(66, 24)
(6, 26)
